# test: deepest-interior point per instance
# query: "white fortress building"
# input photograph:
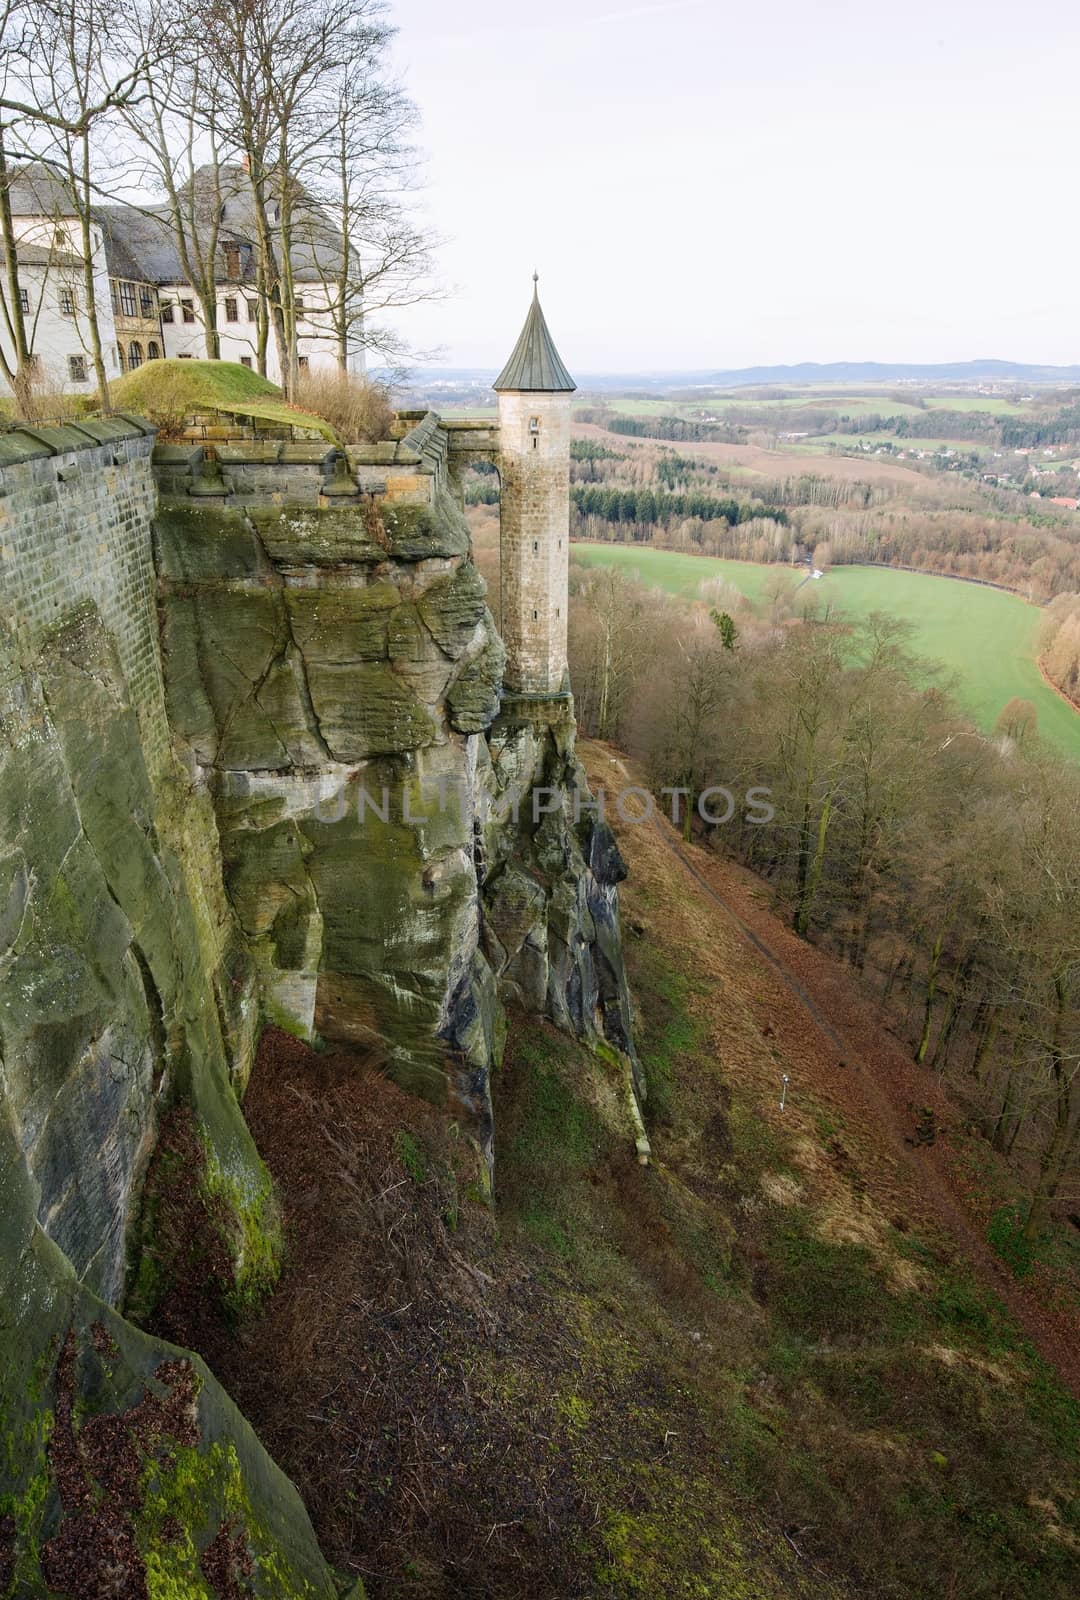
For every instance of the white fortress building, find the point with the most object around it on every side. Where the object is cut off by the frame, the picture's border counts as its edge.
(145, 308)
(534, 390)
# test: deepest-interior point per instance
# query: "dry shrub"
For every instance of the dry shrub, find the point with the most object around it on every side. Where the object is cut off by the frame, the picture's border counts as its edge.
(484, 528)
(50, 402)
(358, 409)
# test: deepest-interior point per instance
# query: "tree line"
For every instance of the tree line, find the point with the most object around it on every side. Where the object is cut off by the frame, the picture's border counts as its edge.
(658, 427)
(1059, 645)
(1058, 427)
(941, 865)
(649, 507)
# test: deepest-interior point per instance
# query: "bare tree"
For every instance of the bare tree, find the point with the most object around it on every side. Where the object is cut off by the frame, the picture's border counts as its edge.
(18, 368)
(78, 64)
(274, 59)
(302, 95)
(374, 257)
(176, 125)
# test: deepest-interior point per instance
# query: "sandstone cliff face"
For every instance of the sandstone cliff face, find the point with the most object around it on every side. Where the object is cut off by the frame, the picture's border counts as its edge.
(399, 843)
(124, 983)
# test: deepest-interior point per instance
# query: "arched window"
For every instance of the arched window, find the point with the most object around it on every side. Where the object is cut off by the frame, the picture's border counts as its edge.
(120, 353)
(134, 355)
(152, 351)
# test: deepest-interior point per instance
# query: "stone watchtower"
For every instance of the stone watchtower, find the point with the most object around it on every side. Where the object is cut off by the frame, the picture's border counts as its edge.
(534, 390)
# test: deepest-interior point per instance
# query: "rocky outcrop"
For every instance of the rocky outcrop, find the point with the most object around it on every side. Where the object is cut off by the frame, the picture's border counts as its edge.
(397, 847)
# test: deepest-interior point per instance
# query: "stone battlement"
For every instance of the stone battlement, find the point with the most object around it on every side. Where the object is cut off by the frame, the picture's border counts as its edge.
(415, 468)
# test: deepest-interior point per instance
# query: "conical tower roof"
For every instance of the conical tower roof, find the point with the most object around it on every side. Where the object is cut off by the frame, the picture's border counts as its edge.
(535, 365)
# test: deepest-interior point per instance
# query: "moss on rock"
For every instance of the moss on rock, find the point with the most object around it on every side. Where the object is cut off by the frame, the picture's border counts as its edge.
(366, 710)
(420, 532)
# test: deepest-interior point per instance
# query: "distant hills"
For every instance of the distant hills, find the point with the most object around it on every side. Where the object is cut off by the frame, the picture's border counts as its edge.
(799, 375)
(808, 372)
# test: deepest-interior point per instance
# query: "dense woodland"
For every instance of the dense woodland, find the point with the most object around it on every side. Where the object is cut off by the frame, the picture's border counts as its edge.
(942, 866)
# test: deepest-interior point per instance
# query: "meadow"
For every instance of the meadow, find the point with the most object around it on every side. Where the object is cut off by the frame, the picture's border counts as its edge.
(848, 403)
(871, 441)
(983, 636)
(821, 399)
(995, 405)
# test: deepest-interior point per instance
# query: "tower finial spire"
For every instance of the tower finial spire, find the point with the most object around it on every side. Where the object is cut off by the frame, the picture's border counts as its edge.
(534, 364)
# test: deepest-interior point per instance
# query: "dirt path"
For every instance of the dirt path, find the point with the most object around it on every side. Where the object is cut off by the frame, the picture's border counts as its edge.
(839, 1048)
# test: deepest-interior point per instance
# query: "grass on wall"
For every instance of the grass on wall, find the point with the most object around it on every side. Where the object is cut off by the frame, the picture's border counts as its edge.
(169, 391)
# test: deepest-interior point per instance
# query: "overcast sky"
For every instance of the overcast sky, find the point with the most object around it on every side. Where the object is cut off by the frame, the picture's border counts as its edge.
(702, 183)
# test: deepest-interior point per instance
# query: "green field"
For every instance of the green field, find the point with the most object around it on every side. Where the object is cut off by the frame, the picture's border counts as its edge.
(985, 637)
(871, 440)
(850, 405)
(978, 402)
(847, 403)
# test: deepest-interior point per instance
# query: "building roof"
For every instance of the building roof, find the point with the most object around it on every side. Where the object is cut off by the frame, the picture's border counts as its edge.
(535, 365)
(316, 239)
(37, 191)
(140, 244)
(39, 255)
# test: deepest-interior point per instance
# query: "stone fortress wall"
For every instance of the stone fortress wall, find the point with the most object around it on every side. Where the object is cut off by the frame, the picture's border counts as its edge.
(88, 809)
(73, 518)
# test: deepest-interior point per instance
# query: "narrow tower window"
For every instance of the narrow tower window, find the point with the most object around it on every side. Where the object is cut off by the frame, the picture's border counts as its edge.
(536, 546)
(536, 616)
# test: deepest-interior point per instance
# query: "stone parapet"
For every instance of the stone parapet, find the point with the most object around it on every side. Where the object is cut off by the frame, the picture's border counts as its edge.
(260, 472)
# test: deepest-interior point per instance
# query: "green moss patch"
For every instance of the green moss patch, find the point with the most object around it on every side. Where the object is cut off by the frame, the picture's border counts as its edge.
(209, 1239)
